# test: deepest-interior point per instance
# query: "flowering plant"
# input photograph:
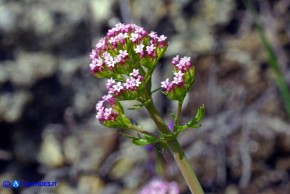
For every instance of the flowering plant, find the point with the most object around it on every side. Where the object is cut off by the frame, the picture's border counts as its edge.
(127, 57)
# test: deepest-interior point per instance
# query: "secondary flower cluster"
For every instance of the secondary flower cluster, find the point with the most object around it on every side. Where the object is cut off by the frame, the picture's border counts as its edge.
(182, 80)
(128, 89)
(111, 114)
(108, 110)
(126, 47)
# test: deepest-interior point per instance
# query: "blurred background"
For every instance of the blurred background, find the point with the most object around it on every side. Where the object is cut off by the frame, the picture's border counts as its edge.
(48, 130)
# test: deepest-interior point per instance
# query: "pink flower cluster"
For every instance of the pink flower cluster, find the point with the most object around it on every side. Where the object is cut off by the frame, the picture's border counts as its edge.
(105, 113)
(157, 186)
(125, 56)
(181, 65)
(115, 89)
(131, 84)
(111, 52)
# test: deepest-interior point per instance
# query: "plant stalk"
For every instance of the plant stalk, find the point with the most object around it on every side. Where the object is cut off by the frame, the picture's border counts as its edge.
(176, 150)
(185, 167)
(178, 113)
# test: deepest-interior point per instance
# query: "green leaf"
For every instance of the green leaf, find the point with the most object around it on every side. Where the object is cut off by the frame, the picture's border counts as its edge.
(155, 90)
(140, 142)
(150, 138)
(199, 115)
(137, 106)
(194, 123)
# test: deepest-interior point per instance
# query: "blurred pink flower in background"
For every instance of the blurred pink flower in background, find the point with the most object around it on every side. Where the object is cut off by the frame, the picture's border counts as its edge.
(157, 186)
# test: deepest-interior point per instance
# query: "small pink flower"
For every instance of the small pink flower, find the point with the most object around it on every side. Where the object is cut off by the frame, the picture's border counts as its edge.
(137, 82)
(134, 73)
(101, 44)
(167, 85)
(108, 98)
(134, 37)
(161, 38)
(110, 83)
(119, 26)
(129, 84)
(112, 40)
(99, 115)
(175, 60)
(183, 64)
(110, 61)
(121, 37)
(140, 30)
(177, 80)
(99, 105)
(153, 35)
(107, 113)
(123, 53)
(92, 67)
(185, 60)
(139, 48)
(93, 54)
(178, 74)
(118, 87)
(150, 49)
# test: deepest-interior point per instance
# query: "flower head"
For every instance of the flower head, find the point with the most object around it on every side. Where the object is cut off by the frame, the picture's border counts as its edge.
(128, 89)
(110, 113)
(182, 80)
(111, 57)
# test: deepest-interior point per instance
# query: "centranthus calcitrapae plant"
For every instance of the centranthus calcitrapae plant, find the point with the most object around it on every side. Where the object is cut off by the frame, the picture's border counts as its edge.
(127, 57)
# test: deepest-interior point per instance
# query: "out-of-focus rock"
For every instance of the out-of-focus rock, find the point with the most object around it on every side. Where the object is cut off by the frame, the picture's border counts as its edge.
(94, 147)
(202, 39)
(155, 10)
(216, 12)
(90, 185)
(7, 18)
(5, 191)
(11, 105)
(65, 188)
(71, 149)
(68, 68)
(130, 156)
(176, 45)
(31, 67)
(51, 151)
(231, 189)
(92, 160)
(283, 164)
(101, 9)
(41, 20)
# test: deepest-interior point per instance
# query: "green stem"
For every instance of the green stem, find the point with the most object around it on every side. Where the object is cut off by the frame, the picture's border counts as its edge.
(156, 117)
(177, 119)
(142, 131)
(185, 167)
(151, 108)
(175, 148)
